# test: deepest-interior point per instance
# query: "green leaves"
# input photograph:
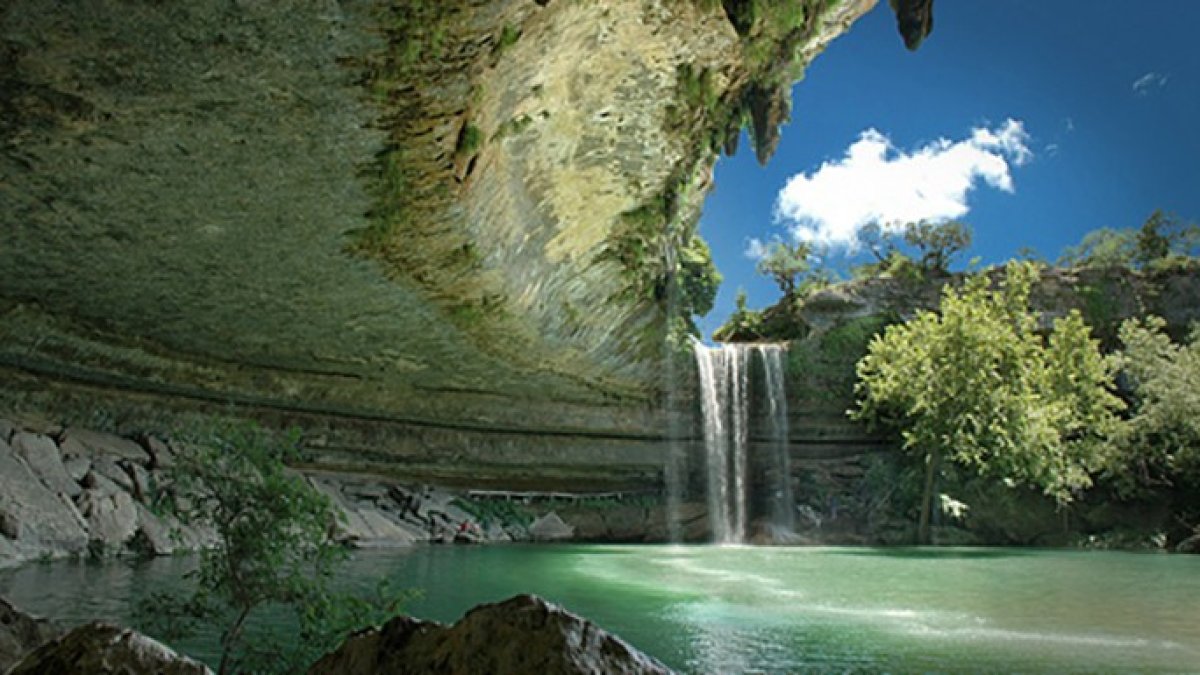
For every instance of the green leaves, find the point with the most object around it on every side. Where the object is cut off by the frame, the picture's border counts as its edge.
(785, 263)
(1162, 441)
(978, 385)
(273, 548)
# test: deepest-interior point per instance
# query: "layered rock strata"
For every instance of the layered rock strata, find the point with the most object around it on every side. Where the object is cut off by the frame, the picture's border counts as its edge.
(415, 217)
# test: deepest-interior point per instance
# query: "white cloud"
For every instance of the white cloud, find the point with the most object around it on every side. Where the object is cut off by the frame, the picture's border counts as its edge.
(1149, 82)
(756, 249)
(877, 183)
(1052, 149)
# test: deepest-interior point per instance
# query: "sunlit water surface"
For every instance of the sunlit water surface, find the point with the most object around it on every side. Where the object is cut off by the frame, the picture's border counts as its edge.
(742, 609)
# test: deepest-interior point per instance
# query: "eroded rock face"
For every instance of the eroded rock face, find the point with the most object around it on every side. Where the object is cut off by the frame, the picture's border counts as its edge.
(104, 649)
(355, 212)
(524, 634)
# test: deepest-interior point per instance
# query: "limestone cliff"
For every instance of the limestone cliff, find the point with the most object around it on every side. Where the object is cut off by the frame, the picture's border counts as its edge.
(444, 230)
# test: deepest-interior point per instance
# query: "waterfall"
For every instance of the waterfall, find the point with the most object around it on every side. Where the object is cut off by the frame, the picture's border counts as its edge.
(725, 403)
(782, 505)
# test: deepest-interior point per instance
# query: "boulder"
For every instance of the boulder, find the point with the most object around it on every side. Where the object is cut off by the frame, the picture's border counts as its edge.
(159, 536)
(77, 467)
(523, 634)
(37, 521)
(21, 634)
(97, 483)
(112, 520)
(104, 649)
(364, 525)
(7, 428)
(107, 467)
(550, 528)
(41, 456)
(161, 456)
(76, 442)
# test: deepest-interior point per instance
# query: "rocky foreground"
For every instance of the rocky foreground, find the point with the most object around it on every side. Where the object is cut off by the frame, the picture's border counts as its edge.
(523, 634)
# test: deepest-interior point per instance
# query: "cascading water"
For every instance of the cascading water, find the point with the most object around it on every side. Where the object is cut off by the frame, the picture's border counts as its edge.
(782, 505)
(725, 402)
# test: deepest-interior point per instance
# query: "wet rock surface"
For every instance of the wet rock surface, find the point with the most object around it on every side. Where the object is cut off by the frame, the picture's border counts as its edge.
(523, 634)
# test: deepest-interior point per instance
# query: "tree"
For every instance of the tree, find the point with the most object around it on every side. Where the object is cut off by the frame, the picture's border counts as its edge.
(1104, 247)
(273, 544)
(1164, 236)
(1163, 436)
(938, 243)
(743, 324)
(880, 243)
(1161, 239)
(976, 385)
(785, 263)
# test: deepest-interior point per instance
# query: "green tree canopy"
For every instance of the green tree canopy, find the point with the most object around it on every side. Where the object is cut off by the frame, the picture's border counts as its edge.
(1160, 240)
(1104, 247)
(785, 264)
(938, 243)
(977, 385)
(1163, 440)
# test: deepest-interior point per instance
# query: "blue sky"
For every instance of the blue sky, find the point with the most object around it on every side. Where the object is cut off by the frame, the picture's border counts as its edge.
(1036, 96)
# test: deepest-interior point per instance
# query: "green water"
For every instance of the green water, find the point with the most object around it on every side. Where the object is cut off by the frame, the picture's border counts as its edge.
(741, 609)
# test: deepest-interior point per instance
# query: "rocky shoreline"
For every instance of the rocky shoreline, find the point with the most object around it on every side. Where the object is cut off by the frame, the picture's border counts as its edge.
(66, 491)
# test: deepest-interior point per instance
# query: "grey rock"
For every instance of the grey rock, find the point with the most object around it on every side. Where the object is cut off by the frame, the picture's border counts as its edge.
(42, 523)
(97, 483)
(143, 483)
(104, 649)
(112, 520)
(20, 634)
(161, 455)
(108, 468)
(77, 467)
(523, 634)
(41, 455)
(364, 525)
(550, 527)
(88, 443)
(7, 428)
(155, 532)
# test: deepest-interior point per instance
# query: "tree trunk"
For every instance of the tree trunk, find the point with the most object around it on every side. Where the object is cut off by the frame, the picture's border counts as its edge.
(932, 461)
(229, 642)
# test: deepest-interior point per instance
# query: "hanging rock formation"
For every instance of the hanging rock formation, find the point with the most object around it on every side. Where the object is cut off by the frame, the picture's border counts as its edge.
(441, 230)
